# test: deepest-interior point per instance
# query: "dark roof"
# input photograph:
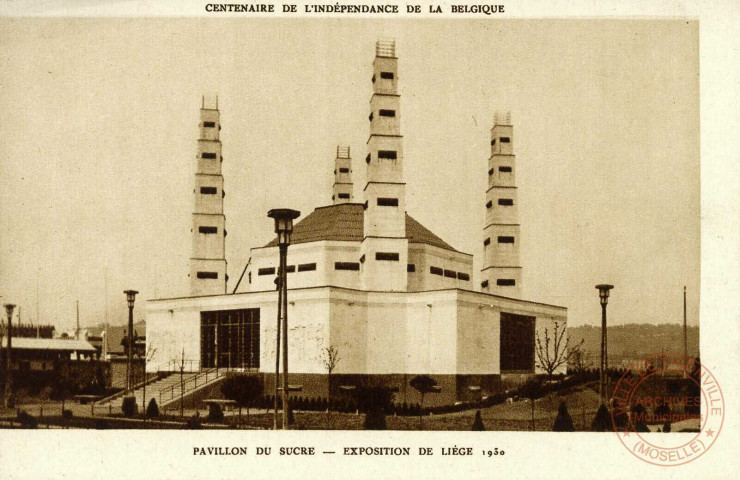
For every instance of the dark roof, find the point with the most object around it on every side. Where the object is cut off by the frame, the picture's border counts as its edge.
(346, 222)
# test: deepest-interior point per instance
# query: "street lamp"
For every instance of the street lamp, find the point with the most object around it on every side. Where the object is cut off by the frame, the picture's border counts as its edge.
(7, 385)
(130, 297)
(603, 366)
(283, 228)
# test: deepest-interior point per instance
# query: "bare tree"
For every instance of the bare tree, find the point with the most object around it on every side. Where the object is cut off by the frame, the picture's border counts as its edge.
(330, 357)
(581, 360)
(554, 352)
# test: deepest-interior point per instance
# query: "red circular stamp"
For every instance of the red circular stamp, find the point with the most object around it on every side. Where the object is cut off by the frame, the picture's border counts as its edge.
(667, 409)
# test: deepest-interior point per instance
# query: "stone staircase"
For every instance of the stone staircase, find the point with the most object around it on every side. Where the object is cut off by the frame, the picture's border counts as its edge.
(168, 389)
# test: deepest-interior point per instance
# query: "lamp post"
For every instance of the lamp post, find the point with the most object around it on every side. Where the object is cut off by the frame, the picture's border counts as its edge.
(7, 385)
(283, 228)
(604, 365)
(130, 297)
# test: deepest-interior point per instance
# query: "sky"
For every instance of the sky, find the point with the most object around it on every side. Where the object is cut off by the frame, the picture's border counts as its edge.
(101, 123)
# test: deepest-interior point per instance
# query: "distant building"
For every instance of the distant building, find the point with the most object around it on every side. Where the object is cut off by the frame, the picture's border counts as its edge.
(365, 278)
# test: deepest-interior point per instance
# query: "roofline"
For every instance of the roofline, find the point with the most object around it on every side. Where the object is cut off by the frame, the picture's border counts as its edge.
(366, 291)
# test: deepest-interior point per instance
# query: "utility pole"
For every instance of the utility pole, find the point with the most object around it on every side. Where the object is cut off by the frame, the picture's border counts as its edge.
(8, 384)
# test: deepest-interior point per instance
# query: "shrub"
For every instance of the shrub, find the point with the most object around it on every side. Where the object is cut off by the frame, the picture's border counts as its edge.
(67, 414)
(152, 410)
(26, 420)
(478, 423)
(602, 420)
(563, 421)
(129, 406)
(194, 422)
(215, 414)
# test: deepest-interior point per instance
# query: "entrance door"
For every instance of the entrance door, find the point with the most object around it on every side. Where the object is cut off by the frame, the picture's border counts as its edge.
(230, 338)
(517, 343)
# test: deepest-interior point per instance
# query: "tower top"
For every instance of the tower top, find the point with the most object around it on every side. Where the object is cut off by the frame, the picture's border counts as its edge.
(209, 102)
(342, 151)
(385, 47)
(502, 118)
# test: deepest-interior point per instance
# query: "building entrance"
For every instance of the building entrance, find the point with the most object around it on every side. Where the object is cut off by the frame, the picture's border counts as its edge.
(230, 339)
(517, 343)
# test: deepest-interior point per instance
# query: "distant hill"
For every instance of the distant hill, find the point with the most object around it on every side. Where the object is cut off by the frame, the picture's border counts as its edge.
(633, 341)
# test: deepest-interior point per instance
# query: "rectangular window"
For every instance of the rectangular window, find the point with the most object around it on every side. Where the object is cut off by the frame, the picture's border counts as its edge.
(344, 196)
(489, 204)
(504, 139)
(435, 271)
(450, 274)
(344, 170)
(207, 229)
(208, 190)
(210, 155)
(290, 269)
(387, 113)
(387, 202)
(505, 239)
(346, 266)
(387, 256)
(212, 275)
(307, 267)
(486, 242)
(507, 202)
(389, 154)
(209, 124)
(505, 282)
(504, 169)
(484, 284)
(266, 271)
(386, 75)
(463, 276)
(410, 267)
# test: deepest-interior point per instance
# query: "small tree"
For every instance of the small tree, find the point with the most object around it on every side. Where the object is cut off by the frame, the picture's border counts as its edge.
(152, 410)
(330, 358)
(554, 352)
(478, 423)
(601, 421)
(532, 390)
(374, 401)
(563, 421)
(423, 384)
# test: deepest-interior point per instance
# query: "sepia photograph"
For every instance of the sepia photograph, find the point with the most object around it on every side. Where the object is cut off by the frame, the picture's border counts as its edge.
(342, 224)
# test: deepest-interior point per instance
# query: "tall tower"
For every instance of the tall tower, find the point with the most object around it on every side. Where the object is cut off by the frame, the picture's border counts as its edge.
(208, 260)
(342, 189)
(502, 273)
(384, 250)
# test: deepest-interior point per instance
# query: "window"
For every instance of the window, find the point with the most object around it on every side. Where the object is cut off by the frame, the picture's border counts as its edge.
(486, 242)
(505, 239)
(344, 196)
(506, 282)
(388, 256)
(249, 277)
(208, 190)
(362, 259)
(373, 79)
(493, 142)
(504, 169)
(387, 202)
(307, 267)
(387, 113)
(364, 205)
(484, 284)
(266, 271)
(504, 139)
(386, 75)
(506, 202)
(411, 267)
(207, 229)
(209, 124)
(463, 276)
(370, 117)
(435, 271)
(344, 170)
(489, 204)
(490, 172)
(210, 155)
(389, 154)
(212, 275)
(346, 266)
(290, 269)
(450, 274)
(367, 159)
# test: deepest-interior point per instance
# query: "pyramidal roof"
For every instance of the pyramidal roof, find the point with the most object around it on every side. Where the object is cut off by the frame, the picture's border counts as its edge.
(345, 222)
